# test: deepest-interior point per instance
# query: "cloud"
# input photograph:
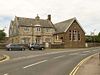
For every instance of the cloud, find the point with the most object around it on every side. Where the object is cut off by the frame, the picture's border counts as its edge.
(86, 11)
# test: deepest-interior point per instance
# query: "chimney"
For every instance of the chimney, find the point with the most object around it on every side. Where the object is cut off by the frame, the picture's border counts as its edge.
(49, 17)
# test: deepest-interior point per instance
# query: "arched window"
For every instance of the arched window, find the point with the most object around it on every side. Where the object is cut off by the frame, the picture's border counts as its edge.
(70, 35)
(78, 35)
(75, 35)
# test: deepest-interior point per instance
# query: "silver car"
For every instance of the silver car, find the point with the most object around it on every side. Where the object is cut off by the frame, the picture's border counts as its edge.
(10, 47)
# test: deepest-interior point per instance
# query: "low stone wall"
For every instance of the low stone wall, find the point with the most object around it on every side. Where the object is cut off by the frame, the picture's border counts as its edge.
(3, 45)
(62, 45)
(93, 44)
(57, 46)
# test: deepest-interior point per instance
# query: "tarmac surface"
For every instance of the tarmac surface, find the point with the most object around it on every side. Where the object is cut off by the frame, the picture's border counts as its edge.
(90, 67)
(2, 57)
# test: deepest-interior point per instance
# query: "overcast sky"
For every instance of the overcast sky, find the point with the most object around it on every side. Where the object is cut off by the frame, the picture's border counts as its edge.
(87, 12)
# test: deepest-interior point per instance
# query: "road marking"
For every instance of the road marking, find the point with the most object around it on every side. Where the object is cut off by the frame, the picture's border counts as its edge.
(83, 54)
(93, 50)
(59, 57)
(35, 64)
(32, 56)
(85, 51)
(74, 54)
(6, 58)
(47, 53)
(74, 71)
(6, 74)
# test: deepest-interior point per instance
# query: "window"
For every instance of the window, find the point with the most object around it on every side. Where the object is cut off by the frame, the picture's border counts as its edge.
(38, 29)
(57, 37)
(70, 35)
(26, 29)
(61, 38)
(47, 39)
(25, 40)
(78, 35)
(75, 38)
(47, 29)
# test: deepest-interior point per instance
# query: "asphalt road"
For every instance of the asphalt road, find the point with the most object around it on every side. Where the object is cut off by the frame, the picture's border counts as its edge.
(43, 62)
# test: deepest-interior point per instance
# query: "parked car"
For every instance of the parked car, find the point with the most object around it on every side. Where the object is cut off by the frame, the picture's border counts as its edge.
(10, 47)
(34, 46)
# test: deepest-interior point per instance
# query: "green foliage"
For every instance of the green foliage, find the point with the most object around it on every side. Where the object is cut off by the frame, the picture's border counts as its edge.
(2, 35)
(98, 37)
(89, 38)
(95, 38)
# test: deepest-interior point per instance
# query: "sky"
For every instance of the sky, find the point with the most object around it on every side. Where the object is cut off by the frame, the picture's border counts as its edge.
(87, 12)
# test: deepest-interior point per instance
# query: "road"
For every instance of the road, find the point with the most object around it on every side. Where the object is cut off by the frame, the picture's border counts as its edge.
(43, 62)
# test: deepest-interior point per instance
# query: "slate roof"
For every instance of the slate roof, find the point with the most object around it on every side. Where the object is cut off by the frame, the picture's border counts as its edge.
(30, 21)
(62, 26)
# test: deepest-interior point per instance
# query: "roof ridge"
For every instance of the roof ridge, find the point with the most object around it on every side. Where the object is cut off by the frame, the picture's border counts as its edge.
(24, 17)
(67, 20)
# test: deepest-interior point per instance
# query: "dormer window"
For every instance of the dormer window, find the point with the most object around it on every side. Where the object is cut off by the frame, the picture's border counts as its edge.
(37, 27)
(37, 17)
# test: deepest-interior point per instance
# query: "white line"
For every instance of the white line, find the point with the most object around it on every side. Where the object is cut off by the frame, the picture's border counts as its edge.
(74, 54)
(83, 54)
(6, 74)
(34, 64)
(93, 50)
(86, 51)
(59, 57)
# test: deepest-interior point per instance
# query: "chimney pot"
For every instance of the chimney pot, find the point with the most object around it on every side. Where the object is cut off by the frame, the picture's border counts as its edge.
(49, 17)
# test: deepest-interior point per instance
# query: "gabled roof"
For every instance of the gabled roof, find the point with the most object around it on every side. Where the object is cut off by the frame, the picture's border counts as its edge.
(64, 25)
(30, 21)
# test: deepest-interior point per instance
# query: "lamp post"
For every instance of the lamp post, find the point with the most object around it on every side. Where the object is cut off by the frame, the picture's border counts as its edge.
(93, 37)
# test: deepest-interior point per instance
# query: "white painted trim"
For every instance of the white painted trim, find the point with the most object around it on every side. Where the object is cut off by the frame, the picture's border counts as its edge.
(80, 25)
(70, 24)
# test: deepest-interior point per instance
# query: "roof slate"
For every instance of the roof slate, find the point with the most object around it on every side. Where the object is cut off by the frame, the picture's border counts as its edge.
(62, 26)
(30, 21)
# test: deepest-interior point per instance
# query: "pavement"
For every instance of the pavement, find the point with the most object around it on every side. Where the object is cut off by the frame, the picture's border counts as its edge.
(90, 67)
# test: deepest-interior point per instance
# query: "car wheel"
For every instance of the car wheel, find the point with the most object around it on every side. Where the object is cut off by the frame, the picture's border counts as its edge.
(9, 49)
(42, 48)
(32, 48)
(23, 49)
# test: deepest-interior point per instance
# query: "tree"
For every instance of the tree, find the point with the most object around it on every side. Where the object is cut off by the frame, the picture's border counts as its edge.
(98, 37)
(2, 35)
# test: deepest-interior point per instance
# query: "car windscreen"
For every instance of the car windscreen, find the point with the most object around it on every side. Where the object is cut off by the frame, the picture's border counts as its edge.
(15, 45)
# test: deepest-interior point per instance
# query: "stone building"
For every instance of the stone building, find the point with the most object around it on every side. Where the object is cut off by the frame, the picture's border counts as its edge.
(28, 30)
(70, 33)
